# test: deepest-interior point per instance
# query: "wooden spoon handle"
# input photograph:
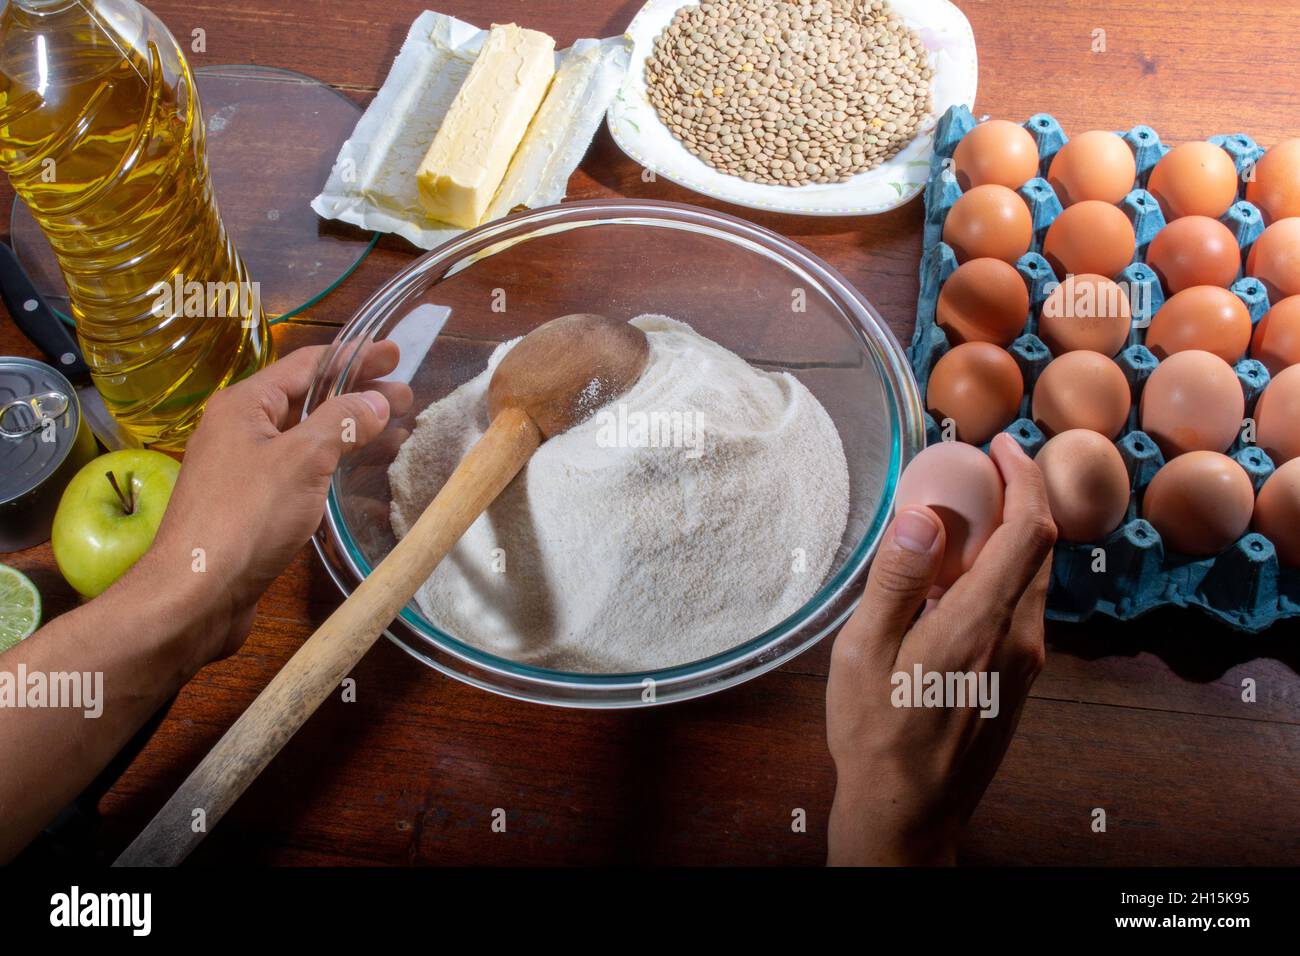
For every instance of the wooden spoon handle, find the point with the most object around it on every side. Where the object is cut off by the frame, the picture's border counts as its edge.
(325, 658)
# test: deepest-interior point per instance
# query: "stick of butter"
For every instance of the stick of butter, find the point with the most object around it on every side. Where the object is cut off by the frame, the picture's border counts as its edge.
(558, 135)
(485, 124)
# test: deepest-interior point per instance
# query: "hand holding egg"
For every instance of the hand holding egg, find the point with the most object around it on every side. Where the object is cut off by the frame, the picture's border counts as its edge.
(990, 620)
(994, 511)
(961, 485)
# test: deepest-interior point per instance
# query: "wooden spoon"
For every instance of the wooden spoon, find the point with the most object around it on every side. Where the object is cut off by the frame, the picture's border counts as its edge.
(558, 375)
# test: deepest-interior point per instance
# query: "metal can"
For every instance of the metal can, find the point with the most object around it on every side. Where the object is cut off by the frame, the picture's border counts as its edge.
(44, 441)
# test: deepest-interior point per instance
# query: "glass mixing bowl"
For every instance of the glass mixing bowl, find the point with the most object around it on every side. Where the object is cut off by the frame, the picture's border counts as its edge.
(745, 287)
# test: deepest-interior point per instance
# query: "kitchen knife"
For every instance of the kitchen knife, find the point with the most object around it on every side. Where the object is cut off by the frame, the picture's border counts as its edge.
(36, 320)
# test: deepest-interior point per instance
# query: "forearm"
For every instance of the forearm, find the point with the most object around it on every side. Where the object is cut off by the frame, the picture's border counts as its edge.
(886, 822)
(126, 653)
(250, 493)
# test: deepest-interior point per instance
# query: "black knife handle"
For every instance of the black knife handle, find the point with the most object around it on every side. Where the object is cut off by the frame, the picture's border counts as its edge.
(34, 317)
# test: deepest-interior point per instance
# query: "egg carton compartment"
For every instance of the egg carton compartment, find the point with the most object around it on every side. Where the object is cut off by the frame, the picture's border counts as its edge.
(1129, 572)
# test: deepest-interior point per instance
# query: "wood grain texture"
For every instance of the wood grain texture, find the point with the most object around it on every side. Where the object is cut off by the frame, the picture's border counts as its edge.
(1144, 720)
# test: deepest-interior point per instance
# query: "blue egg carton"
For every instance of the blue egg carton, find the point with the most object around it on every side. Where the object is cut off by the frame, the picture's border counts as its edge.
(1130, 572)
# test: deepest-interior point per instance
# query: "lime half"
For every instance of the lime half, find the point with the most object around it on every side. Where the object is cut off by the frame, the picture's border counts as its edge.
(20, 607)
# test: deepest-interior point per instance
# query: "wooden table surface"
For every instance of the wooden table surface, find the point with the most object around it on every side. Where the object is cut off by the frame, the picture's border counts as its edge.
(1145, 720)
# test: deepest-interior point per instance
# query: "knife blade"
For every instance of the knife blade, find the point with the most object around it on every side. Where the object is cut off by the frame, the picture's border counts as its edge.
(36, 320)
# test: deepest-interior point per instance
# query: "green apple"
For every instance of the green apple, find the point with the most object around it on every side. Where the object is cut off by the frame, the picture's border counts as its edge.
(109, 514)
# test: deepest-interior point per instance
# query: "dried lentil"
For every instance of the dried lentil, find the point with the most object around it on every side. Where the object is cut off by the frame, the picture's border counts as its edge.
(790, 92)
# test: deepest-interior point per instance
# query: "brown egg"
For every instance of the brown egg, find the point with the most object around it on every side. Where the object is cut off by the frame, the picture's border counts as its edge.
(1200, 503)
(1275, 259)
(1192, 401)
(1277, 337)
(984, 300)
(1087, 484)
(988, 221)
(1085, 312)
(996, 152)
(1277, 512)
(1275, 182)
(1205, 317)
(1082, 390)
(964, 488)
(1277, 417)
(979, 387)
(1194, 179)
(1091, 237)
(1093, 165)
(1194, 250)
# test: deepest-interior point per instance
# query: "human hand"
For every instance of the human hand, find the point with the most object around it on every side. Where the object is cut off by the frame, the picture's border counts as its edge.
(252, 489)
(908, 777)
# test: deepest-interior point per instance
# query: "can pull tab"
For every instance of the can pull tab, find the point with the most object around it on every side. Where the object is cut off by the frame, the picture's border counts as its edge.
(22, 416)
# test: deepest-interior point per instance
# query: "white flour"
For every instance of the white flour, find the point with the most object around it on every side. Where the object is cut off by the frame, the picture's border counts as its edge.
(634, 557)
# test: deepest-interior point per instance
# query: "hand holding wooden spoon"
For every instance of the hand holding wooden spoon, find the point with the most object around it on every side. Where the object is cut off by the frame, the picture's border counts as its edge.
(557, 376)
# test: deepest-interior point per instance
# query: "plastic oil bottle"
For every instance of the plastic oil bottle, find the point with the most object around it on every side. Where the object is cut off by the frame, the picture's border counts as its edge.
(102, 136)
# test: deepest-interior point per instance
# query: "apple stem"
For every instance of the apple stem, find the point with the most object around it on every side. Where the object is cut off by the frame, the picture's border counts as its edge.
(127, 503)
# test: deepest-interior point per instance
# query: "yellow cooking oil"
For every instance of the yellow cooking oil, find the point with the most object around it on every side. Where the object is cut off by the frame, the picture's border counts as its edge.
(101, 134)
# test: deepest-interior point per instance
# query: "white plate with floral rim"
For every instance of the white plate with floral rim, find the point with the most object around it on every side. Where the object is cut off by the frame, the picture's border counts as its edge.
(640, 133)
